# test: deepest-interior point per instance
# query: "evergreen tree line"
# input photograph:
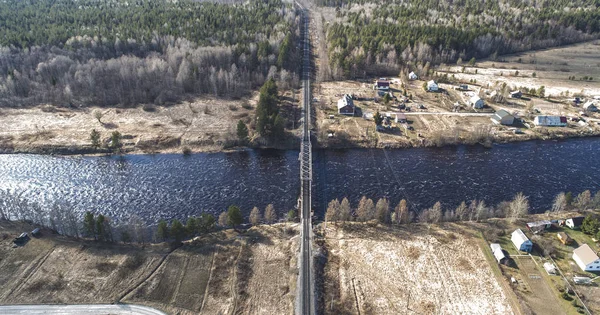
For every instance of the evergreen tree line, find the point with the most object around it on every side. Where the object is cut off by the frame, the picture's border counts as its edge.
(234, 52)
(396, 33)
(475, 210)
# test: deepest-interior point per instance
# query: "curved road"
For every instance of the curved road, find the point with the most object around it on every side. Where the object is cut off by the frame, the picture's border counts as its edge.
(88, 309)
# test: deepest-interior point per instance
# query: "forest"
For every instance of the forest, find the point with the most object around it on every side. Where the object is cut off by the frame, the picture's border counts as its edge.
(123, 53)
(380, 38)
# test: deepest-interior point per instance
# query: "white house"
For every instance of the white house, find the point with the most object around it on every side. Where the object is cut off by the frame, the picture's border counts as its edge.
(498, 253)
(432, 86)
(586, 259)
(574, 222)
(550, 121)
(412, 76)
(345, 105)
(476, 102)
(521, 241)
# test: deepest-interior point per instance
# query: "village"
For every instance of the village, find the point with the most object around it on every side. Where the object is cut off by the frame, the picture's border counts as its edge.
(475, 103)
(556, 266)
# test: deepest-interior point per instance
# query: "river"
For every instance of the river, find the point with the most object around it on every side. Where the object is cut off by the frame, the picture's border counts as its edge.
(173, 185)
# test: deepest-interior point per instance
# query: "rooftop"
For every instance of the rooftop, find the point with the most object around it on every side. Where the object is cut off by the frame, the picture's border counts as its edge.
(586, 254)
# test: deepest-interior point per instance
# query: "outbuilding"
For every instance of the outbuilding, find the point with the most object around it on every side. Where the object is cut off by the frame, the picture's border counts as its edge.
(574, 223)
(539, 226)
(412, 76)
(586, 258)
(550, 121)
(521, 241)
(503, 117)
(345, 105)
(564, 238)
(498, 253)
(590, 106)
(476, 102)
(432, 86)
(516, 94)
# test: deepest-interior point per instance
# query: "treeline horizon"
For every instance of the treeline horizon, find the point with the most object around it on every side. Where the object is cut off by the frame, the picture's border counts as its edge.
(381, 39)
(76, 54)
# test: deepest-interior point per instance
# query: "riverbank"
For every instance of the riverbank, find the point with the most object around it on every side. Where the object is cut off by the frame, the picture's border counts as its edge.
(66, 132)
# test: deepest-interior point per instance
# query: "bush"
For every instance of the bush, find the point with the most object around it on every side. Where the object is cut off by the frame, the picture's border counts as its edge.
(148, 108)
(566, 296)
(186, 151)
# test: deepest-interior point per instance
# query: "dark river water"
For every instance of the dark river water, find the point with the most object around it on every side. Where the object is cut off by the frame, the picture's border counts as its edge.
(169, 186)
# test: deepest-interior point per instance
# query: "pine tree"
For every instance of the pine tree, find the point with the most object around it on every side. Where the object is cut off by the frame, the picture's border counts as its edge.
(89, 225)
(162, 230)
(95, 138)
(234, 216)
(270, 214)
(242, 131)
(345, 210)
(177, 230)
(382, 210)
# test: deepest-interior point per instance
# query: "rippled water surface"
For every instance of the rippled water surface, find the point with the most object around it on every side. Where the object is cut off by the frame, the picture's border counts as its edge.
(168, 186)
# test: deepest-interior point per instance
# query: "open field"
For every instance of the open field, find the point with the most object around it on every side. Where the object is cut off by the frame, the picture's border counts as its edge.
(201, 124)
(552, 68)
(223, 272)
(379, 270)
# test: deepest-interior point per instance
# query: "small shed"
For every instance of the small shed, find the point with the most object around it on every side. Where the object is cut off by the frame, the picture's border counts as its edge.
(476, 102)
(574, 223)
(586, 258)
(590, 106)
(432, 86)
(345, 105)
(503, 117)
(550, 268)
(516, 94)
(521, 241)
(550, 121)
(564, 238)
(498, 253)
(412, 76)
(539, 226)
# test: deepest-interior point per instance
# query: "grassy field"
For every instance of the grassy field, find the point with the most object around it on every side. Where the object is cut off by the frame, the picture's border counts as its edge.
(380, 270)
(221, 273)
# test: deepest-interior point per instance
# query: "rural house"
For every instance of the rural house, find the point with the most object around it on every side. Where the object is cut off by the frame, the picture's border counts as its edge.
(564, 238)
(502, 117)
(590, 106)
(521, 241)
(412, 76)
(432, 86)
(516, 94)
(345, 105)
(539, 226)
(586, 259)
(550, 121)
(574, 223)
(498, 253)
(476, 102)
(382, 85)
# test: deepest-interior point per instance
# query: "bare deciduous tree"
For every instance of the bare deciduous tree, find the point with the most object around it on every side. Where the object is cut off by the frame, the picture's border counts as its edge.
(223, 218)
(345, 210)
(333, 211)
(401, 211)
(583, 200)
(365, 209)
(382, 210)
(461, 211)
(255, 216)
(270, 214)
(560, 203)
(519, 207)
(435, 213)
